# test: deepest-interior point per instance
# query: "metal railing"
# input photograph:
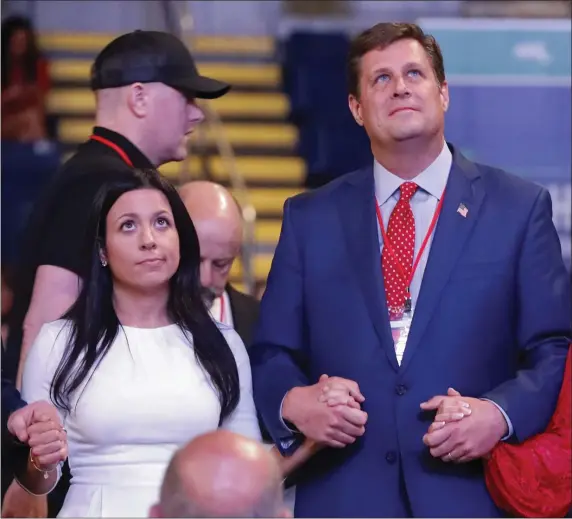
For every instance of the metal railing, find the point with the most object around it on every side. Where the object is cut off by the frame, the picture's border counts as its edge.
(180, 21)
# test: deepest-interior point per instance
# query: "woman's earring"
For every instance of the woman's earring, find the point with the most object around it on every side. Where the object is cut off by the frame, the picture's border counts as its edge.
(102, 258)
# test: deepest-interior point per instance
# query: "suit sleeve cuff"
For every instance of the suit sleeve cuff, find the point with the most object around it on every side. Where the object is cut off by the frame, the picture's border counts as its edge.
(507, 419)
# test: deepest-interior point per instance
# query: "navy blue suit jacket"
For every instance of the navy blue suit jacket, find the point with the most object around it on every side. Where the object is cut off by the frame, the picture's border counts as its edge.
(11, 400)
(492, 320)
(12, 453)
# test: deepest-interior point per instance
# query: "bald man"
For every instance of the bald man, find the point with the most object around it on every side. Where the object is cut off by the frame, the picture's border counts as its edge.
(218, 220)
(222, 474)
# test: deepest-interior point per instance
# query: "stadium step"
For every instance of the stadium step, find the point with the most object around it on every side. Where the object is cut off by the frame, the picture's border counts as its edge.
(234, 105)
(246, 75)
(92, 43)
(274, 136)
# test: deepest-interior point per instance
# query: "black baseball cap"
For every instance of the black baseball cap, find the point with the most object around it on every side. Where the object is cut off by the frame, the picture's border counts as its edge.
(149, 57)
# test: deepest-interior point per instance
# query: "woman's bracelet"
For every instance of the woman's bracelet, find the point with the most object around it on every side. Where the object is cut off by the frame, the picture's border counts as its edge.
(44, 472)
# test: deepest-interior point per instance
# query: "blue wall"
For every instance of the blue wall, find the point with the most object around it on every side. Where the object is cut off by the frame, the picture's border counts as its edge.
(525, 130)
(510, 89)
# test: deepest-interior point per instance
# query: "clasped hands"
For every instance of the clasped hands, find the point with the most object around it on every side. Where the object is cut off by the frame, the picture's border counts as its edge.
(464, 428)
(329, 413)
(39, 426)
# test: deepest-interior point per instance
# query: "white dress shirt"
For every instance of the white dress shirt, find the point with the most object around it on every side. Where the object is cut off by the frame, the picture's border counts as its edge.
(220, 310)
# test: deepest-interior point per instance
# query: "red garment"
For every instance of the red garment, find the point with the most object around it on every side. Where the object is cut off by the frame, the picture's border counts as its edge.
(397, 255)
(43, 80)
(24, 104)
(534, 479)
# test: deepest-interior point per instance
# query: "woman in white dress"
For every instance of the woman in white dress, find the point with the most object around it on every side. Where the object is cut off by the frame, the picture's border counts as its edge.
(137, 367)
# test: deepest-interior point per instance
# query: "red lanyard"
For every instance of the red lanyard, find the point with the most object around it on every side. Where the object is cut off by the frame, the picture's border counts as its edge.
(114, 147)
(387, 243)
(222, 308)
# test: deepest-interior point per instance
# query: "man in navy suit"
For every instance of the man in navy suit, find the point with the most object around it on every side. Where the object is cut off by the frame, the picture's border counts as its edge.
(422, 272)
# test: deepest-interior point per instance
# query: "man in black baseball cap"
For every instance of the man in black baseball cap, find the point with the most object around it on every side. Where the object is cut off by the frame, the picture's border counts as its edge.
(146, 84)
(152, 57)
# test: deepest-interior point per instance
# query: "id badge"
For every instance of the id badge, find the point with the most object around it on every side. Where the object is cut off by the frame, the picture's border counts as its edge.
(400, 331)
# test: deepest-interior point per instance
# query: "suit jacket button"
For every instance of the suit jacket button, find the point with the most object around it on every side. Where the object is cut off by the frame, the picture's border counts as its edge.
(391, 457)
(400, 389)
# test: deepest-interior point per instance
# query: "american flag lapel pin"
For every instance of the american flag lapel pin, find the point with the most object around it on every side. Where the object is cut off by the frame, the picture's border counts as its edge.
(462, 210)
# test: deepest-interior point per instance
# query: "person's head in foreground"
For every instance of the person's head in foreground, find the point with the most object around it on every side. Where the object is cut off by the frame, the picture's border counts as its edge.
(146, 85)
(222, 474)
(217, 218)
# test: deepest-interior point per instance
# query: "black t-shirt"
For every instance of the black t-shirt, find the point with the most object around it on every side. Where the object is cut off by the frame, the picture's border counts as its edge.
(56, 230)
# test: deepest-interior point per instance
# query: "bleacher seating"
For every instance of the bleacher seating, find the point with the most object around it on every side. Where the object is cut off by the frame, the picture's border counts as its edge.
(26, 169)
(306, 56)
(314, 78)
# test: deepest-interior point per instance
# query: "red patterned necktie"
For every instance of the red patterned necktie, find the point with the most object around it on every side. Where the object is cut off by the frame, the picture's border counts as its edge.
(401, 236)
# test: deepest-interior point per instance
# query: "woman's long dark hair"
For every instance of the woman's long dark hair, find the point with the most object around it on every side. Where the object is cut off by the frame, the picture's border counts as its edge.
(94, 324)
(31, 57)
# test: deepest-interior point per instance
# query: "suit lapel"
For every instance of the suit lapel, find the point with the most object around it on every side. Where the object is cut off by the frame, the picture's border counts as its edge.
(451, 233)
(235, 310)
(357, 214)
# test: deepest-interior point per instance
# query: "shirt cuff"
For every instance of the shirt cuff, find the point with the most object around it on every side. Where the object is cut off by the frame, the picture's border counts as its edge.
(508, 422)
(287, 442)
(289, 427)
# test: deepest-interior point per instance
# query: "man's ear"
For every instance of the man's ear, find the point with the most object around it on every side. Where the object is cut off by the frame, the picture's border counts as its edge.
(138, 99)
(355, 109)
(444, 92)
(155, 511)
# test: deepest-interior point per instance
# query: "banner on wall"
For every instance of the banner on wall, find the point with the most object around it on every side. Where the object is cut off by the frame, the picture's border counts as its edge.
(510, 89)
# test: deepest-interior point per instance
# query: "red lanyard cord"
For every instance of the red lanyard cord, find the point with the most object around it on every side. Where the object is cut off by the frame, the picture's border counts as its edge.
(222, 308)
(391, 250)
(114, 147)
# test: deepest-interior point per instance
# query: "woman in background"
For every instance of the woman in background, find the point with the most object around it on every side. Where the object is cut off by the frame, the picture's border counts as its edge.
(25, 82)
(137, 367)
